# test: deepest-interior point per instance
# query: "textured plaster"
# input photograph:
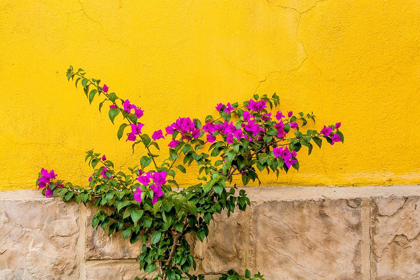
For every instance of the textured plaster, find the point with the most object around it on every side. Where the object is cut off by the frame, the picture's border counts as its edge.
(351, 61)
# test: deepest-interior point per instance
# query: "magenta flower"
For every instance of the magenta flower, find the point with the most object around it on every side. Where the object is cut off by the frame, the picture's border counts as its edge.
(137, 195)
(252, 127)
(289, 114)
(335, 138)
(136, 128)
(186, 127)
(229, 108)
(49, 192)
(174, 143)
(211, 138)
(103, 173)
(158, 134)
(104, 158)
(105, 88)
(138, 112)
(246, 115)
(113, 106)
(289, 162)
(337, 125)
(238, 134)
(294, 125)
(279, 115)
(266, 117)
(131, 137)
(326, 130)
(196, 133)
(229, 139)
(219, 106)
(257, 106)
(45, 178)
(159, 178)
(157, 192)
(144, 179)
(48, 175)
(209, 127)
(127, 106)
(170, 130)
(277, 152)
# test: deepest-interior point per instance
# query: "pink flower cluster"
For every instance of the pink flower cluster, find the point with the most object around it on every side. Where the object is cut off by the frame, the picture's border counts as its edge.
(155, 180)
(45, 180)
(226, 108)
(186, 127)
(135, 128)
(327, 131)
(257, 106)
(288, 157)
(230, 132)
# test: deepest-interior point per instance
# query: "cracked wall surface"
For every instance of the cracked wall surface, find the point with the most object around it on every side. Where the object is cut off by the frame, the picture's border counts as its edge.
(332, 233)
(351, 61)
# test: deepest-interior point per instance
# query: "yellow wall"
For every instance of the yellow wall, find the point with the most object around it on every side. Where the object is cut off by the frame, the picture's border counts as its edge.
(351, 61)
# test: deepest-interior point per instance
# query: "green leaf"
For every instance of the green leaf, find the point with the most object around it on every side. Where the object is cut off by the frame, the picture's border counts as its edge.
(94, 162)
(68, 196)
(112, 96)
(218, 188)
(126, 233)
(179, 227)
(92, 95)
(247, 273)
(260, 166)
(84, 82)
(132, 118)
(122, 204)
(167, 205)
(136, 215)
(101, 104)
(127, 212)
(317, 141)
(95, 222)
(150, 268)
(181, 168)
(156, 237)
(146, 139)
(121, 130)
(147, 221)
(113, 113)
(200, 235)
(245, 179)
(207, 218)
(192, 208)
(145, 162)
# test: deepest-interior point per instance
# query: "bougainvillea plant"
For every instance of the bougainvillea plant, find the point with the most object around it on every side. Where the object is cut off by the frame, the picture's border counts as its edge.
(243, 140)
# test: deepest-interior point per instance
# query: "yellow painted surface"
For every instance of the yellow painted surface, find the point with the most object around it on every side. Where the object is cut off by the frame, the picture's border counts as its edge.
(357, 62)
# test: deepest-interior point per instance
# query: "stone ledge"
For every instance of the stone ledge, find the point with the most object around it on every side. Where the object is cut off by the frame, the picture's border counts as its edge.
(288, 233)
(281, 193)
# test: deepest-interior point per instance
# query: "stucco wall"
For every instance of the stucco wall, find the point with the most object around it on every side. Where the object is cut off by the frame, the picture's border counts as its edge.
(361, 233)
(351, 61)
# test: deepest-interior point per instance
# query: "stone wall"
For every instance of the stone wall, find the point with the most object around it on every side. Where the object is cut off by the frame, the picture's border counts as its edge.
(288, 233)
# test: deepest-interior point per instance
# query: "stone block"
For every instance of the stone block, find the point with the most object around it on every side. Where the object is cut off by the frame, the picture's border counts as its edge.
(101, 246)
(395, 234)
(38, 239)
(114, 270)
(307, 239)
(226, 246)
